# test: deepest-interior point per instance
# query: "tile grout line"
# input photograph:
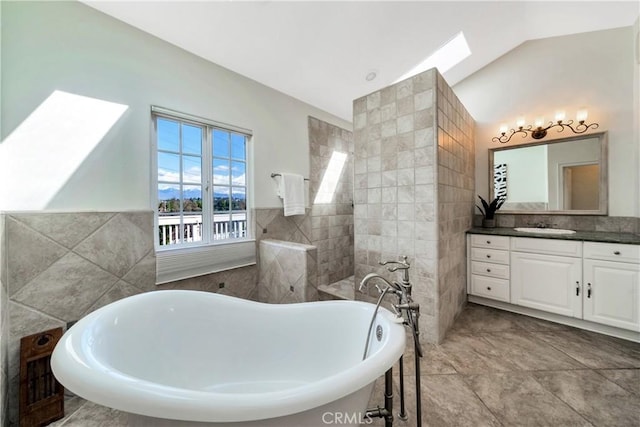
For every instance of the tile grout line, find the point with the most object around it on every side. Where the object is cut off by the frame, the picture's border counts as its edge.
(584, 417)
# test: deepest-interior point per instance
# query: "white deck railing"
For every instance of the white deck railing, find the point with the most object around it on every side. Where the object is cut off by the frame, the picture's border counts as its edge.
(169, 227)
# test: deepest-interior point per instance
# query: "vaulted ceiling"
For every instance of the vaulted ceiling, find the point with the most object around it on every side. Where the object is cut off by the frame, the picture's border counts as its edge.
(320, 52)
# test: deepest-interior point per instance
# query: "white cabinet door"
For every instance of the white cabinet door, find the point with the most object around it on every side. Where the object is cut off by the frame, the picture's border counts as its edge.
(612, 293)
(547, 282)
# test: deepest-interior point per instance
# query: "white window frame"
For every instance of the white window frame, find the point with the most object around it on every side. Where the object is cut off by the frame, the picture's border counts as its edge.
(181, 261)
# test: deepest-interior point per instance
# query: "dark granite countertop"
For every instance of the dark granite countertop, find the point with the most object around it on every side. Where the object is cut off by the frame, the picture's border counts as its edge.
(589, 236)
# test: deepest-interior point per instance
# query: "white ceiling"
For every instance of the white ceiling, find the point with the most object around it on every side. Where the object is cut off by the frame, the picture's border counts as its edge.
(320, 52)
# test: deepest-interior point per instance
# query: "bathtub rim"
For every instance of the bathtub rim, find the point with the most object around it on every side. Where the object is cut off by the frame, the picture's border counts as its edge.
(83, 374)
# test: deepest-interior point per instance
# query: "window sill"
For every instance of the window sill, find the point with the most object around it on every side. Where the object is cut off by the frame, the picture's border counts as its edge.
(186, 262)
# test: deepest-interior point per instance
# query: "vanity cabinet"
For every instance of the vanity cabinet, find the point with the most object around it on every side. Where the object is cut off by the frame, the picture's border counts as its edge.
(611, 277)
(490, 266)
(546, 275)
(591, 285)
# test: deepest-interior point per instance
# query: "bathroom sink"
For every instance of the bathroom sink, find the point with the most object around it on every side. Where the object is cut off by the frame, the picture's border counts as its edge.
(544, 230)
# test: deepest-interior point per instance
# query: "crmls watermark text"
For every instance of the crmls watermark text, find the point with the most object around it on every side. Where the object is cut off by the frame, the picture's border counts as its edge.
(345, 418)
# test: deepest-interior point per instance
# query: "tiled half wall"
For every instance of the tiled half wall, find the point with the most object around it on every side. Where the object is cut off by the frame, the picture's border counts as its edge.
(288, 272)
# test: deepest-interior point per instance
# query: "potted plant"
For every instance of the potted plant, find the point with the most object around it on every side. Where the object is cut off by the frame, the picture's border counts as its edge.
(489, 211)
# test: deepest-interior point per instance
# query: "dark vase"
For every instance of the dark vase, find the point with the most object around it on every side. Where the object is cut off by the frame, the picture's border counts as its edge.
(488, 223)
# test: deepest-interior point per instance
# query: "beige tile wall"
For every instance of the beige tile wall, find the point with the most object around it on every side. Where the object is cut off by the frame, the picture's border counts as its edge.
(328, 226)
(618, 224)
(456, 188)
(288, 272)
(4, 329)
(413, 184)
(61, 266)
(395, 191)
(331, 223)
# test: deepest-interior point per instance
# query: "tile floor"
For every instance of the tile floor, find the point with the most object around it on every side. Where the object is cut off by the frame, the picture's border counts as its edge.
(497, 369)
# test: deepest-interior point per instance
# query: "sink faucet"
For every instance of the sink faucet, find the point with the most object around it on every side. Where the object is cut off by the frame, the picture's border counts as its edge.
(542, 224)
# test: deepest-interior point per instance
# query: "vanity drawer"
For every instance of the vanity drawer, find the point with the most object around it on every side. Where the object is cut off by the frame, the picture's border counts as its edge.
(490, 288)
(500, 271)
(487, 241)
(490, 255)
(572, 248)
(612, 252)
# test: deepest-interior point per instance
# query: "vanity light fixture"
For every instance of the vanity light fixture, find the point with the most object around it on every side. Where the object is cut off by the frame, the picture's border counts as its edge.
(539, 131)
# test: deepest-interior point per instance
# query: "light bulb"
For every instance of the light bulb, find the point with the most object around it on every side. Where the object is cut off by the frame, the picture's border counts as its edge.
(560, 116)
(520, 122)
(539, 122)
(503, 128)
(582, 114)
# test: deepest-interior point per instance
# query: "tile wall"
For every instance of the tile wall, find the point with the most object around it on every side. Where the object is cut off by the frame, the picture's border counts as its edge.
(456, 192)
(288, 272)
(413, 162)
(331, 222)
(327, 225)
(620, 224)
(61, 266)
(4, 329)
(395, 187)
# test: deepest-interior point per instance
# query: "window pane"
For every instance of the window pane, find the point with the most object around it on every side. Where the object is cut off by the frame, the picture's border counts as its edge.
(192, 198)
(221, 226)
(191, 169)
(192, 216)
(238, 170)
(168, 214)
(220, 199)
(237, 146)
(168, 167)
(239, 199)
(191, 139)
(220, 171)
(239, 224)
(220, 143)
(168, 198)
(168, 135)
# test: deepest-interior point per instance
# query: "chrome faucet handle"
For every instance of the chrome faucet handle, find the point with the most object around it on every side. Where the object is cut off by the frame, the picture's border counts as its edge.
(399, 265)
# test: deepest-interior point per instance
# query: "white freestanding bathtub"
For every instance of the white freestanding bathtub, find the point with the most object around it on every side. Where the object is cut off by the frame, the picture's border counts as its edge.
(188, 358)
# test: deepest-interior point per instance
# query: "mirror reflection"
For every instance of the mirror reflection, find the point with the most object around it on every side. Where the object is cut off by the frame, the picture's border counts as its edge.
(563, 176)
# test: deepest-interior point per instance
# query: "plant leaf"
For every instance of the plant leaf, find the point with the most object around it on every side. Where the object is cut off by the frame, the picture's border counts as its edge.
(485, 204)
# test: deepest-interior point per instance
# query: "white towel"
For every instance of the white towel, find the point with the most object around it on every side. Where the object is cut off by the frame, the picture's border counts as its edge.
(291, 190)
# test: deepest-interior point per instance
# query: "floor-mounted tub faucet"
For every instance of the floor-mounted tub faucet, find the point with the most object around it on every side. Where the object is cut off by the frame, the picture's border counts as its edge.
(404, 267)
(409, 312)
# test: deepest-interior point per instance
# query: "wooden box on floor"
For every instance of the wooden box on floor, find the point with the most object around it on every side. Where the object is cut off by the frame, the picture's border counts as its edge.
(41, 395)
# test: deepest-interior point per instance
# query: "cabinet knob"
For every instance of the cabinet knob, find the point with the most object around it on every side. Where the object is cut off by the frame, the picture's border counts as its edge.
(488, 270)
(488, 256)
(616, 252)
(488, 242)
(488, 288)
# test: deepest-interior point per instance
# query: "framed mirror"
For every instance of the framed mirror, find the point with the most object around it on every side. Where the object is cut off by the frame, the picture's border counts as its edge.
(563, 176)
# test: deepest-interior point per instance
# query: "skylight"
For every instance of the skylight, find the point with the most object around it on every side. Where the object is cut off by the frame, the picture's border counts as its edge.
(445, 58)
